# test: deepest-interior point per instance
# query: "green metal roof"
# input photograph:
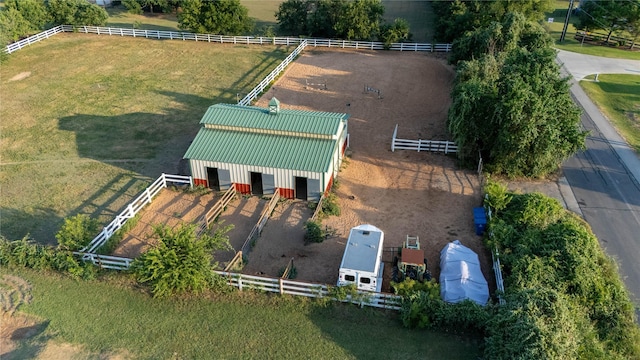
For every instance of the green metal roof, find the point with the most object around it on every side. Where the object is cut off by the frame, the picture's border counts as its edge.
(251, 118)
(268, 150)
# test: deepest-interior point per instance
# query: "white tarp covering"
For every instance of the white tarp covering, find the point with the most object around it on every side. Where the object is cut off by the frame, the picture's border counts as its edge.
(460, 275)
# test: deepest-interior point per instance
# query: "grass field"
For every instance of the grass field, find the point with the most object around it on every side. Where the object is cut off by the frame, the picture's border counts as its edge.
(108, 318)
(618, 96)
(571, 44)
(87, 121)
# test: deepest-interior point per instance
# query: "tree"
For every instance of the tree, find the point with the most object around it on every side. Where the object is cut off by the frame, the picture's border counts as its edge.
(227, 17)
(608, 15)
(292, 17)
(12, 26)
(510, 104)
(455, 18)
(77, 13)
(180, 262)
(396, 32)
(33, 11)
(360, 20)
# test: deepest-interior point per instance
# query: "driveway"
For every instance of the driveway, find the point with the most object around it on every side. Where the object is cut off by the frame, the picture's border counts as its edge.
(605, 178)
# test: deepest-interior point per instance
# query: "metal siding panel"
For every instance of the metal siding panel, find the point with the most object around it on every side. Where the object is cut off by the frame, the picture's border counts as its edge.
(268, 184)
(313, 189)
(224, 177)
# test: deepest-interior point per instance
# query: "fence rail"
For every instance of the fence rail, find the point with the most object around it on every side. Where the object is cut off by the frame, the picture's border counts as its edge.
(33, 39)
(107, 262)
(133, 208)
(422, 145)
(224, 39)
(283, 286)
(253, 94)
(257, 229)
(205, 220)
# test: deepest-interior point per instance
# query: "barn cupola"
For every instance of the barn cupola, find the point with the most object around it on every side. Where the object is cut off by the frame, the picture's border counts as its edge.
(274, 106)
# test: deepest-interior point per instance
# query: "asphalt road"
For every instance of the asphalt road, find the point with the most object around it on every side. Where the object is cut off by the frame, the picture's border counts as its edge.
(605, 178)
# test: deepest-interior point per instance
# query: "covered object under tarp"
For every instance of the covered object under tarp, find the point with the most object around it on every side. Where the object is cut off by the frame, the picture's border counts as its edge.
(460, 275)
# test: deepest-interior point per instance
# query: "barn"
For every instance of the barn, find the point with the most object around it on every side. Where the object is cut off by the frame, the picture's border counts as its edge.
(297, 153)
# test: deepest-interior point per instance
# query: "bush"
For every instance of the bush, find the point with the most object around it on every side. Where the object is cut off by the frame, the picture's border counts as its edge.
(132, 6)
(181, 262)
(314, 233)
(77, 232)
(25, 253)
(330, 205)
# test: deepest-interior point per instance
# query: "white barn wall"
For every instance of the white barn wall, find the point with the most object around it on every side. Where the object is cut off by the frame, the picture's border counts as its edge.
(240, 174)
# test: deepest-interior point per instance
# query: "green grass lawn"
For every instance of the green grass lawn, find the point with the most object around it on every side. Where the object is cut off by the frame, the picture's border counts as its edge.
(618, 96)
(107, 317)
(572, 44)
(88, 121)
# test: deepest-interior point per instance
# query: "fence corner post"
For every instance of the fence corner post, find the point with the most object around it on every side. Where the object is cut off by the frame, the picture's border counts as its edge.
(280, 282)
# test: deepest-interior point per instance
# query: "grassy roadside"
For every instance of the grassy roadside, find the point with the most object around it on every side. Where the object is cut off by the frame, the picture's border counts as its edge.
(88, 121)
(572, 44)
(618, 96)
(238, 325)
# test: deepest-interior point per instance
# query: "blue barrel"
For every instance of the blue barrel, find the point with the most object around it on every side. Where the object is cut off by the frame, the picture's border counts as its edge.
(479, 220)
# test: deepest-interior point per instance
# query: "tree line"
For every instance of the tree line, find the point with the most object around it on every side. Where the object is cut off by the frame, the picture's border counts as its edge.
(21, 18)
(614, 17)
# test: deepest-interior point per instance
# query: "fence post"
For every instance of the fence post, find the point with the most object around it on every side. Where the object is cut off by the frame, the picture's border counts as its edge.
(281, 286)
(240, 282)
(446, 147)
(393, 139)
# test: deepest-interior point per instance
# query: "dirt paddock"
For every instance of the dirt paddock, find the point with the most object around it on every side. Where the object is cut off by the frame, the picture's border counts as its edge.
(402, 192)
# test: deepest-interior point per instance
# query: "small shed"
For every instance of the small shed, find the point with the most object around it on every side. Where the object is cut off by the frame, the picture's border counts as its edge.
(261, 151)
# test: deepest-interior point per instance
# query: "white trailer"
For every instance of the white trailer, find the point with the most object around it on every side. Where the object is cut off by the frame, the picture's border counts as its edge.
(362, 260)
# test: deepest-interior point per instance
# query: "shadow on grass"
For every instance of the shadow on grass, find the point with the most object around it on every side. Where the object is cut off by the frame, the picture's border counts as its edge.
(31, 341)
(40, 224)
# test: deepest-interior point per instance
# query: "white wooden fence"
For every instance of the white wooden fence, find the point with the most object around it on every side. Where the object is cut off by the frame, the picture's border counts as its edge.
(283, 286)
(133, 208)
(107, 262)
(262, 221)
(253, 94)
(33, 39)
(205, 220)
(422, 145)
(248, 40)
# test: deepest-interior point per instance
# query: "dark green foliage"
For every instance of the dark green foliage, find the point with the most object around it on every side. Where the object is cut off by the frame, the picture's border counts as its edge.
(26, 253)
(422, 307)
(351, 20)
(510, 105)
(76, 232)
(314, 233)
(292, 17)
(455, 18)
(330, 205)
(564, 296)
(34, 12)
(394, 33)
(180, 262)
(151, 6)
(13, 26)
(608, 15)
(226, 17)
(76, 12)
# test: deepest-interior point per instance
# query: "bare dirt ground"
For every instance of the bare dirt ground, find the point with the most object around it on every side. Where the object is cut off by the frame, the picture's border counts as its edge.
(403, 192)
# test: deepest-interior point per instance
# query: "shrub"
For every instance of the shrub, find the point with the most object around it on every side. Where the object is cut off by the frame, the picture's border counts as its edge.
(181, 262)
(314, 233)
(25, 253)
(76, 232)
(330, 205)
